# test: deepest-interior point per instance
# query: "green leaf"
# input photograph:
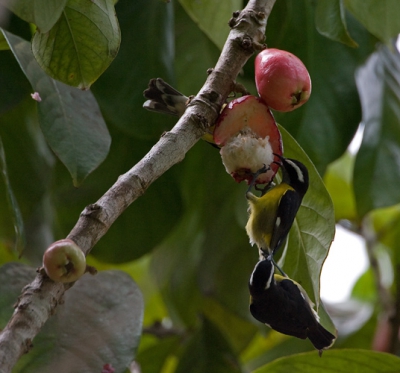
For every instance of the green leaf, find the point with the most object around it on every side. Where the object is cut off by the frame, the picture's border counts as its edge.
(70, 119)
(29, 165)
(325, 125)
(14, 86)
(240, 335)
(313, 229)
(3, 43)
(13, 204)
(330, 20)
(43, 13)
(212, 17)
(147, 51)
(380, 18)
(142, 226)
(153, 358)
(339, 182)
(191, 63)
(100, 322)
(267, 348)
(338, 361)
(208, 351)
(209, 240)
(365, 287)
(377, 166)
(13, 277)
(81, 45)
(174, 267)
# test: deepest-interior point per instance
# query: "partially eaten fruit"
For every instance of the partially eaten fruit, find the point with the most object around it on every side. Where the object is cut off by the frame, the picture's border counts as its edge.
(248, 136)
(282, 80)
(64, 261)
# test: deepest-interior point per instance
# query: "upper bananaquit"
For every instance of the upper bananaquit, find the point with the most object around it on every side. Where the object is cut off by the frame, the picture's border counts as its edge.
(284, 306)
(271, 215)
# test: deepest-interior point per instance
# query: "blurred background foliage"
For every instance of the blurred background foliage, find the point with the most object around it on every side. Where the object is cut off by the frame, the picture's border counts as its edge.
(184, 242)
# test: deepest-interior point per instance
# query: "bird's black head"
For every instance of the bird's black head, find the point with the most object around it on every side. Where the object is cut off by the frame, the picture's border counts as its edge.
(295, 174)
(262, 277)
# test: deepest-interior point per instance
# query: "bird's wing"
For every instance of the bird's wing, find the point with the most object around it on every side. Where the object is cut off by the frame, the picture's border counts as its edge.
(286, 213)
(297, 304)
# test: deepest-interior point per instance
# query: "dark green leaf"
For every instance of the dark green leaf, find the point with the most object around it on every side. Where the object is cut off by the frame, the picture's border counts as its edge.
(174, 266)
(70, 118)
(330, 20)
(142, 226)
(208, 351)
(13, 204)
(212, 17)
(325, 125)
(313, 230)
(14, 86)
(13, 277)
(81, 45)
(100, 322)
(209, 240)
(29, 165)
(242, 331)
(191, 63)
(43, 13)
(153, 358)
(338, 361)
(147, 51)
(381, 18)
(377, 166)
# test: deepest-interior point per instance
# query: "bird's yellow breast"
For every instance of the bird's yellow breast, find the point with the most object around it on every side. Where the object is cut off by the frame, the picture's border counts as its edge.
(262, 218)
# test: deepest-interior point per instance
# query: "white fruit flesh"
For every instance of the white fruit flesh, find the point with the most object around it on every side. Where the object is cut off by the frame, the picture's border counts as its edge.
(246, 153)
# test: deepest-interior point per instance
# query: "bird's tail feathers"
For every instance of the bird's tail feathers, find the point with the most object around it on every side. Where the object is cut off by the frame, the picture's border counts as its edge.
(320, 337)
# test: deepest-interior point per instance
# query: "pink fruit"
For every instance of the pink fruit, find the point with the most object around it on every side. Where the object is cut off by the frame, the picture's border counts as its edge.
(248, 136)
(282, 80)
(64, 261)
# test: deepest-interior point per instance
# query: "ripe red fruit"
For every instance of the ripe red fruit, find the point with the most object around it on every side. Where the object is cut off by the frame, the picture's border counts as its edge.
(282, 80)
(248, 136)
(64, 261)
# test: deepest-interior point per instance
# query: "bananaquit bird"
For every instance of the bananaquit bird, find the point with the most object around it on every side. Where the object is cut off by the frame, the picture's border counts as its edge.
(272, 215)
(284, 306)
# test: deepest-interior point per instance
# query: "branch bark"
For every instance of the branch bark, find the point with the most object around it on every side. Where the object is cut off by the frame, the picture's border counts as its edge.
(40, 298)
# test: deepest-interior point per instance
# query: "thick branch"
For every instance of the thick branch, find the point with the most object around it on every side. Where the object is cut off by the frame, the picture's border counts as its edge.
(40, 298)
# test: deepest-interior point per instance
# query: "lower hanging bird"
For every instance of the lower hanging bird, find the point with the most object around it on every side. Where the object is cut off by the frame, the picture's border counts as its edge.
(284, 306)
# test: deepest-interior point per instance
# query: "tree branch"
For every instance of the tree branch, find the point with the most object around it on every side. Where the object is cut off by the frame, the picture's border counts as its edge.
(40, 298)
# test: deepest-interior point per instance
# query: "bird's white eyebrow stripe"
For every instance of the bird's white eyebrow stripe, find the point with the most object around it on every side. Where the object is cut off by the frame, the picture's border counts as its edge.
(268, 284)
(300, 174)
